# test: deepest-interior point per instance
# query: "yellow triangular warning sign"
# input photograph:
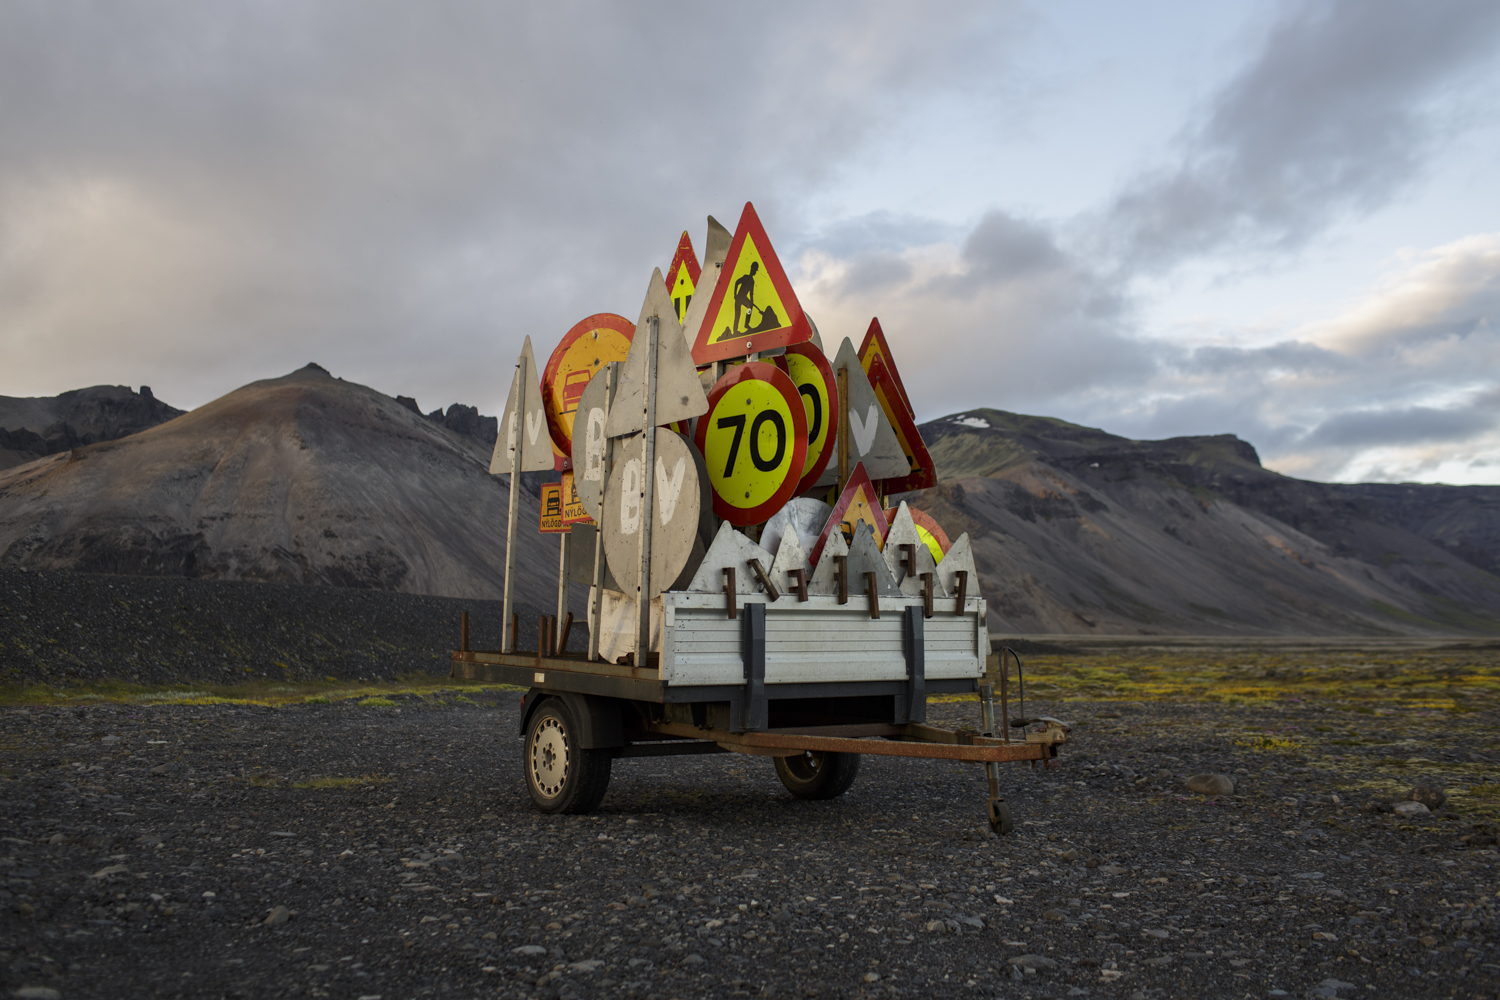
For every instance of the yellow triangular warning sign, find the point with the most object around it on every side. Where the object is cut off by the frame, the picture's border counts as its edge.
(753, 306)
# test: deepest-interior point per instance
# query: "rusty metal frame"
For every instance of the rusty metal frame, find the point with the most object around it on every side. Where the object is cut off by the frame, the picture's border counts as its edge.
(909, 740)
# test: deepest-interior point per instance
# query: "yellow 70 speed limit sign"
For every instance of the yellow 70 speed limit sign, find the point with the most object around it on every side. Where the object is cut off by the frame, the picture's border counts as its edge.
(754, 442)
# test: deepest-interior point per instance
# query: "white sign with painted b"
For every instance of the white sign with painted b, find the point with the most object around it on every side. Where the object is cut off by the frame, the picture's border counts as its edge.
(674, 522)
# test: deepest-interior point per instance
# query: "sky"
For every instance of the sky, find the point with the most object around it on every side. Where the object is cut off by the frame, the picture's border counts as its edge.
(1279, 220)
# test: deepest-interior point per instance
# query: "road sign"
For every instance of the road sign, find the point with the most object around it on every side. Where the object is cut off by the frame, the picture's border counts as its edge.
(872, 442)
(573, 512)
(589, 441)
(753, 307)
(525, 421)
(928, 530)
(813, 377)
(551, 522)
(960, 557)
(875, 346)
(730, 550)
(674, 515)
(682, 275)
(922, 472)
(907, 567)
(754, 441)
(858, 504)
(583, 350)
(807, 515)
(679, 394)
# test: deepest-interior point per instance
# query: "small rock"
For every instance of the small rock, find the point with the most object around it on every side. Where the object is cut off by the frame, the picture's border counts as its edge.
(1069, 855)
(111, 870)
(162, 769)
(1032, 962)
(1163, 777)
(1093, 862)
(936, 927)
(1076, 992)
(56, 839)
(593, 964)
(1210, 784)
(1054, 915)
(37, 993)
(1430, 796)
(1160, 960)
(1157, 932)
(1477, 839)
(1410, 809)
(278, 915)
(529, 950)
(693, 959)
(872, 977)
(1114, 870)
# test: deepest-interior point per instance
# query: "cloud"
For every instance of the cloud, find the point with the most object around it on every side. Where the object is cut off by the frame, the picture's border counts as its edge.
(1334, 117)
(195, 195)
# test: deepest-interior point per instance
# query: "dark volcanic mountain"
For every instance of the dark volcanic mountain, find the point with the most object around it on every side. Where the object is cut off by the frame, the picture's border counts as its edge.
(33, 427)
(300, 479)
(1079, 531)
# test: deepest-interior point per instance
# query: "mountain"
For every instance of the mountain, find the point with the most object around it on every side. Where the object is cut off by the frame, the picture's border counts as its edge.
(300, 479)
(37, 426)
(1080, 531)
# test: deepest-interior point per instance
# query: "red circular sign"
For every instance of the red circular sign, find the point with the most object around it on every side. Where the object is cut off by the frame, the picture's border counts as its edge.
(591, 344)
(754, 441)
(813, 377)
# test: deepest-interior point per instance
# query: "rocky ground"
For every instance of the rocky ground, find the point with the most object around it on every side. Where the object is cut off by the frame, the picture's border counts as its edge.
(71, 629)
(357, 851)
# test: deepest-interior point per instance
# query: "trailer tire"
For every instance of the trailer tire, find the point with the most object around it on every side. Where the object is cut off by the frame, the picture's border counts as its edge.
(561, 776)
(818, 775)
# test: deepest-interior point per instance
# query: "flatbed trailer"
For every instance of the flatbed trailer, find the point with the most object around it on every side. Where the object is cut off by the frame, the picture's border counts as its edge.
(816, 649)
(814, 684)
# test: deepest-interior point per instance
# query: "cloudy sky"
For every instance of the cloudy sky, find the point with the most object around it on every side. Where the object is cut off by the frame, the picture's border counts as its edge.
(1280, 220)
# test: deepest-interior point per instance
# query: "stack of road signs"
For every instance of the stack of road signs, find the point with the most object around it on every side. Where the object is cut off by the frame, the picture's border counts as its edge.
(763, 429)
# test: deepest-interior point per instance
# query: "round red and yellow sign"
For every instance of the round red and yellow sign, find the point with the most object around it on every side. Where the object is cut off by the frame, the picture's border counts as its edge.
(754, 440)
(813, 377)
(590, 345)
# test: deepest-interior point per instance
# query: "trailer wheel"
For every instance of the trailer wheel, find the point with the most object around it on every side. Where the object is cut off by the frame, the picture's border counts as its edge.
(561, 776)
(1001, 820)
(818, 775)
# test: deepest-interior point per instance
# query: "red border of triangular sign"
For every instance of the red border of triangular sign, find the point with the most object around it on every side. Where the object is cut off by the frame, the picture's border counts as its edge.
(874, 345)
(858, 478)
(796, 329)
(905, 425)
(684, 255)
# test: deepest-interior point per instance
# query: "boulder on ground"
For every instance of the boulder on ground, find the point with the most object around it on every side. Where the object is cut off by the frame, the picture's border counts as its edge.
(1211, 784)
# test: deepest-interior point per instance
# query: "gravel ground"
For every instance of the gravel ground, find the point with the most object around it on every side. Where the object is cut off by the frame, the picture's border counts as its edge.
(346, 851)
(79, 628)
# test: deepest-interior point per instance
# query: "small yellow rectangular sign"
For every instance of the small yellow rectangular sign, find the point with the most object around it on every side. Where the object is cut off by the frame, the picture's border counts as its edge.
(573, 510)
(552, 509)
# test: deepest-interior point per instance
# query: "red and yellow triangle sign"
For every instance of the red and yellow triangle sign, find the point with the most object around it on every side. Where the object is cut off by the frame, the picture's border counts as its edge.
(888, 391)
(682, 276)
(753, 306)
(875, 346)
(858, 502)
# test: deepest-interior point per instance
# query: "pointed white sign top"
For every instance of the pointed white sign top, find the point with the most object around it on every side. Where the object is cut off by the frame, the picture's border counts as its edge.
(871, 439)
(524, 421)
(679, 394)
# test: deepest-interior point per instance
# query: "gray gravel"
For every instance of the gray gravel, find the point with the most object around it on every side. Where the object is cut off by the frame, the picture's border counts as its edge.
(167, 852)
(77, 628)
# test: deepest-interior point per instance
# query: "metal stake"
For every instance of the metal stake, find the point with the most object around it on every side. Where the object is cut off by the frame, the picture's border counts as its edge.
(648, 499)
(517, 417)
(596, 594)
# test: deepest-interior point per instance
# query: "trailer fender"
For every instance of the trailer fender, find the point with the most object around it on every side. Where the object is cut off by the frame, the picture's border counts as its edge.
(598, 719)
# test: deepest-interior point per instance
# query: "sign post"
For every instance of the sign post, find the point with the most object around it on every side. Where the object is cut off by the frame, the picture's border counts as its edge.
(596, 593)
(648, 497)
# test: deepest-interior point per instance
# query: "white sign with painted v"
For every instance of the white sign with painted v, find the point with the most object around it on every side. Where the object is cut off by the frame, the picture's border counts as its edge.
(871, 439)
(524, 421)
(674, 524)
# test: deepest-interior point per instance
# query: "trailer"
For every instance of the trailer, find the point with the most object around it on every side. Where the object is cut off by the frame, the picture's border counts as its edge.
(731, 610)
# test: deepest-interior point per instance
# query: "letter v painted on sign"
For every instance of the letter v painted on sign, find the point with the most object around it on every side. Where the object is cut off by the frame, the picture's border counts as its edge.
(534, 423)
(863, 430)
(669, 489)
